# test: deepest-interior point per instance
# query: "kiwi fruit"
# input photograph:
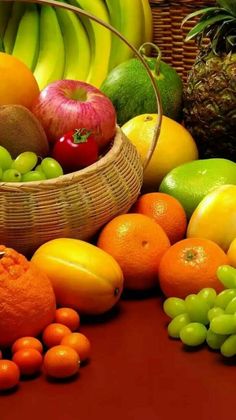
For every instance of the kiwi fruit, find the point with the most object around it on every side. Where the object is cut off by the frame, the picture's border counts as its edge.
(20, 131)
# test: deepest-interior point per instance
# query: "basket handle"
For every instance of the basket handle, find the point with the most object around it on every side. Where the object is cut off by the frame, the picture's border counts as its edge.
(139, 55)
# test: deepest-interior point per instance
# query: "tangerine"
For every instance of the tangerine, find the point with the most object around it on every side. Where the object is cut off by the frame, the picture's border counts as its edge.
(68, 317)
(61, 362)
(18, 84)
(27, 343)
(189, 266)
(54, 333)
(9, 374)
(27, 300)
(29, 361)
(78, 342)
(137, 243)
(166, 211)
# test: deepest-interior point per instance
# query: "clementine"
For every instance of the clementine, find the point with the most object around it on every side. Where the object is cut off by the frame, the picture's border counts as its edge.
(166, 211)
(18, 84)
(61, 362)
(189, 266)
(27, 300)
(137, 243)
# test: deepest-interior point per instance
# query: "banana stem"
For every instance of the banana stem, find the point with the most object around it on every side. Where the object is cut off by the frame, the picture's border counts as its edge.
(82, 12)
(155, 47)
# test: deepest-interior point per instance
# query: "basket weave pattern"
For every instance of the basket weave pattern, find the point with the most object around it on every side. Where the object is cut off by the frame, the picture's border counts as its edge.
(170, 36)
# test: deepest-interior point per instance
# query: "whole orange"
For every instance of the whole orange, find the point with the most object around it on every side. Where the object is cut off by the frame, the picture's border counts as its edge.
(137, 243)
(18, 84)
(27, 300)
(166, 211)
(190, 265)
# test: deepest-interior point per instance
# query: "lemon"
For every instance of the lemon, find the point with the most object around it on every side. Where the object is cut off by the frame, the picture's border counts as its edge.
(175, 146)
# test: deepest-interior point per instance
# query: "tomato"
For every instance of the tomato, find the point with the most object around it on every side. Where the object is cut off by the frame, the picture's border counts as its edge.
(75, 150)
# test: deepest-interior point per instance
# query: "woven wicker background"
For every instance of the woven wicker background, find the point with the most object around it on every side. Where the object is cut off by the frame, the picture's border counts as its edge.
(168, 34)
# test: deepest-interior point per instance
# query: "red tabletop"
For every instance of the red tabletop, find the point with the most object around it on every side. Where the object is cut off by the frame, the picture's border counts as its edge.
(135, 373)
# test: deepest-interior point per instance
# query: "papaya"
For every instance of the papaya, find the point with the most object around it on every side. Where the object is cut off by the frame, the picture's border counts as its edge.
(83, 276)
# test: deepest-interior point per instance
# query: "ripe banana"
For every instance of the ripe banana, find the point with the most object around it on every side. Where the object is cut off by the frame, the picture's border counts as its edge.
(77, 47)
(26, 47)
(148, 22)
(17, 11)
(130, 24)
(50, 62)
(5, 11)
(100, 39)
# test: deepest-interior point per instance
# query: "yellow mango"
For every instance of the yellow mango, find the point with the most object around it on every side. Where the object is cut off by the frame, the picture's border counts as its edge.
(215, 217)
(83, 276)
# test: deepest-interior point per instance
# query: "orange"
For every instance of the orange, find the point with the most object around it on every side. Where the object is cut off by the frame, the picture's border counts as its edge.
(137, 243)
(166, 211)
(68, 317)
(9, 374)
(29, 361)
(61, 362)
(27, 300)
(53, 334)
(190, 265)
(18, 84)
(80, 343)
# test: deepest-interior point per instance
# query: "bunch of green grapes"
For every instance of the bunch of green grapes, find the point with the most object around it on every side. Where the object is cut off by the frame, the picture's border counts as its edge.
(25, 167)
(206, 316)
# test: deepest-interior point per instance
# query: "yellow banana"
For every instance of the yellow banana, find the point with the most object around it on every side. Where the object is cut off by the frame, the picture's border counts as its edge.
(148, 21)
(50, 63)
(26, 47)
(99, 37)
(77, 47)
(5, 12)
(17, 11)
(130, 24)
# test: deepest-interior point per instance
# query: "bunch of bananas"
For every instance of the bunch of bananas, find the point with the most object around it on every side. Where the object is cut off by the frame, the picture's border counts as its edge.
(56, 43)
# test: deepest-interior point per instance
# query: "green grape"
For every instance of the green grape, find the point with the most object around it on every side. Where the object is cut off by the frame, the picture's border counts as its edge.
(227, 276)
(38, 168)
(231, 307)
(208, 294)
(33, 176)
(177, 324)
(228, 348)
(51, 168)
(174, 306)
(193, 334)
(25, 162)
(213, 312)
(11, 175)
(224, 324)
(5, 158)
(214, 340)
(197, 309)
(1, 172)
(223, 298)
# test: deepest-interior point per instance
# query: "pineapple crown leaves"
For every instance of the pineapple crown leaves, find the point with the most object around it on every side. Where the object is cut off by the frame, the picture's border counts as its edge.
(218, 24)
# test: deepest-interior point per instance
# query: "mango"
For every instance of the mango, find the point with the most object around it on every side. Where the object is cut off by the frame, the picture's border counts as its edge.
(83, 276)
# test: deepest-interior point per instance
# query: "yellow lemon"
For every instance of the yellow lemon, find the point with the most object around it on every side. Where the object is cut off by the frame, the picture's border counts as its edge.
(175, 146)
(232, 253)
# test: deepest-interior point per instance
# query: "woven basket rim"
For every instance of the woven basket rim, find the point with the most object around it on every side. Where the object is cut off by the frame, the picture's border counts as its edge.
(106, 160)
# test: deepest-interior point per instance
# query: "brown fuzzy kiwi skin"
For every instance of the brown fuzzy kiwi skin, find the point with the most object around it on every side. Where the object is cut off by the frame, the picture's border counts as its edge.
(20, 131)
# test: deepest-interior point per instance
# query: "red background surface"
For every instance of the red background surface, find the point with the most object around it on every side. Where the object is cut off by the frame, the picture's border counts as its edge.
(135, 372)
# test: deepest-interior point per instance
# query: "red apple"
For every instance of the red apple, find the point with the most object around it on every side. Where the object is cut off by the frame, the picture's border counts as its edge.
(66, 105)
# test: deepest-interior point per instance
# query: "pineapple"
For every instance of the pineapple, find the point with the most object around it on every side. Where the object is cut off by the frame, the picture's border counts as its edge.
(210, 91)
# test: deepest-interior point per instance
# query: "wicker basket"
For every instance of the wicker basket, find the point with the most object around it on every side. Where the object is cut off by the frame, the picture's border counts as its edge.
(75, 205)
(170, 36)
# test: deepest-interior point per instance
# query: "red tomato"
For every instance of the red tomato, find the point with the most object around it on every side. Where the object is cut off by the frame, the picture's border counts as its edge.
(9, 374)
(75, 150)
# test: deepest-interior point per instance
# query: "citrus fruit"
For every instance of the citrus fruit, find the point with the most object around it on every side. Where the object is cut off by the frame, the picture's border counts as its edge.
(166, 211)
(27, 343)
(232, 253)
(29, 361)
(189, 266)
(61, 362)
(214, 218)
(175, 146)
(78, 342)
(9, 374)
(137, 243)
(130, 89)
(68, 317)
(18, 84)
(53, 334)
(192, 181)
(27, 300)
